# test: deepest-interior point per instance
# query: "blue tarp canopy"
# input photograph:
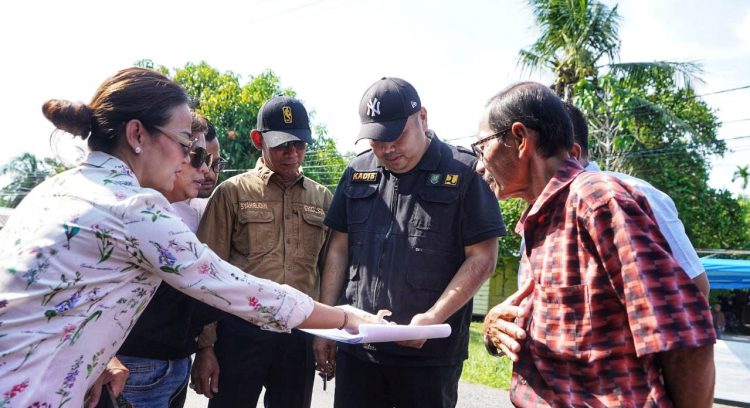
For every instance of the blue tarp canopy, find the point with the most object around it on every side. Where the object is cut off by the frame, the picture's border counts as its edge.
(727, 273)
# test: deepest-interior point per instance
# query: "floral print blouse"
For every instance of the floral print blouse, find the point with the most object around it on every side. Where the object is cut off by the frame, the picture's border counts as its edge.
(79, 261)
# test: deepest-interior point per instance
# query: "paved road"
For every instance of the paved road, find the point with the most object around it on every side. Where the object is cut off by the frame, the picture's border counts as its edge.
(469, 396)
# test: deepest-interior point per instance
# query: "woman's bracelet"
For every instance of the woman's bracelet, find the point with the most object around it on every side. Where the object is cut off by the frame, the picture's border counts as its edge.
(346, 320)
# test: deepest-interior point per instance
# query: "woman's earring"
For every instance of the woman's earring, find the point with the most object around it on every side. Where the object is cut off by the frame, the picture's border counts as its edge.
(137, 150)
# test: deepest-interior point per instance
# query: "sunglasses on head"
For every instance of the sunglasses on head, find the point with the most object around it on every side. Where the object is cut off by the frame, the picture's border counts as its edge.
(200, 155)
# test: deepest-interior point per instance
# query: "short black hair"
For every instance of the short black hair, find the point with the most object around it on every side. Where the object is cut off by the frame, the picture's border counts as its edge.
(580, 127)
(538, 108)
(210, 132)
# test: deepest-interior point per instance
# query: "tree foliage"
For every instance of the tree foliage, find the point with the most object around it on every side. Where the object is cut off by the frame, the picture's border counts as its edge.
(323, 163)
(574, 36)
(232, 106)
(644, 117)
(742, 174)
(26, 172)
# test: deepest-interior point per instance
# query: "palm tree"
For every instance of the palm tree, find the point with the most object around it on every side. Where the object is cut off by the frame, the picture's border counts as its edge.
(579, 42)
(580, 37)
(575, 35)
(743, 174)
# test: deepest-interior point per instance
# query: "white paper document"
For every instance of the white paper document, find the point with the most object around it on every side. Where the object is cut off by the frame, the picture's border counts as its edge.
(377, 333)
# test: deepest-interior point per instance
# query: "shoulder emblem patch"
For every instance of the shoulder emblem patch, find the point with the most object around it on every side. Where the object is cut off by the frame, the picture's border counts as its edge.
(434, 178)
(451, 180)
(365, 177)
(446, 180)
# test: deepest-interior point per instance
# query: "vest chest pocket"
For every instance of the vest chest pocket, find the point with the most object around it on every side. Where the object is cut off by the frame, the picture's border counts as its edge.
(359, 203)
(257, 231)
(436, 210)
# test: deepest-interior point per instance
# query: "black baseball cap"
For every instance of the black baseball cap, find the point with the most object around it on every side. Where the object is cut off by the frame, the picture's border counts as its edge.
(385, 107)
(283, 119)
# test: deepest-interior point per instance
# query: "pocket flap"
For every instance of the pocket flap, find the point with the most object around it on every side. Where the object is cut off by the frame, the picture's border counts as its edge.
(256, 216)
(312, 218)
(439, 195)
(360, 191)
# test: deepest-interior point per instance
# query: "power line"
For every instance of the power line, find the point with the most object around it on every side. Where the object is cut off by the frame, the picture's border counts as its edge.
(724, 91)
(735, 120)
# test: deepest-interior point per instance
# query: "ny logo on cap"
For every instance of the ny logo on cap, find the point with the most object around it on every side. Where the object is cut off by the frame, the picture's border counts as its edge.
(373, 107)
(413, 104)
(287, 113)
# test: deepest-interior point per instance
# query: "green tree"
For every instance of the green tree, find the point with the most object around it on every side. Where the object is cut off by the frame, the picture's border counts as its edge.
(645, 119)
(26, 172)
(743, 175)
(323, 163)
(574, 36)
(232, 106)
(579, 38)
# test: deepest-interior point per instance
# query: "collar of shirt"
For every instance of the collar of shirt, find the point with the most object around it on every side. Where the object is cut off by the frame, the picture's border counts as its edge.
(117, 166)
(265, 173)
(565, 174)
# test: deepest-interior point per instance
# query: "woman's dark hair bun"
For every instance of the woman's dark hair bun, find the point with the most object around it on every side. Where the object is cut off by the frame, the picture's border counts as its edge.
(71, 117)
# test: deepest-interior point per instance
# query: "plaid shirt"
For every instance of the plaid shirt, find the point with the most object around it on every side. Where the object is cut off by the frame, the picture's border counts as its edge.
(608, 297)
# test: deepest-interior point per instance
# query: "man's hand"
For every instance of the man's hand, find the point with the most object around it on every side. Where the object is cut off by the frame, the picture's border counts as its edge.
(501, 334)
(204, 376)
(115, 374)
(325, 356)
(421, 319)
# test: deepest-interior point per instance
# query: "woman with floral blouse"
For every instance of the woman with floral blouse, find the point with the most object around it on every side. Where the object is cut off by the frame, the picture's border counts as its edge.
(84, 252)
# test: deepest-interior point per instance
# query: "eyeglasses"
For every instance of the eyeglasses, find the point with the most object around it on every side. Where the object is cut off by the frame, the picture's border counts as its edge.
(219, 165)
(200, 155)
(297, 145)
(185, 142)
(478, 147)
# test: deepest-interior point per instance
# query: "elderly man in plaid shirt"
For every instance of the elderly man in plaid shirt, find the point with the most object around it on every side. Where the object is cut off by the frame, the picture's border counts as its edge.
(607, 317)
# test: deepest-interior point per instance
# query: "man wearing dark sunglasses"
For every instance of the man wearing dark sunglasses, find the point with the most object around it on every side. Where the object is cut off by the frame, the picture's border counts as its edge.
(269, 223)
(218, 164)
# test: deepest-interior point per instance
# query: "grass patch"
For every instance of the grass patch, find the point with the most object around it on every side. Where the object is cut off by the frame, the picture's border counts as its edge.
(481, 368)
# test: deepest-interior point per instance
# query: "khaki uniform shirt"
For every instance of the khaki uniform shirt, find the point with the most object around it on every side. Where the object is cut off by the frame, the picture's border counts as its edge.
(268, 230)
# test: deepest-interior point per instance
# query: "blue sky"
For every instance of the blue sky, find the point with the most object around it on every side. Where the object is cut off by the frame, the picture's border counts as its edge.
(457, 54)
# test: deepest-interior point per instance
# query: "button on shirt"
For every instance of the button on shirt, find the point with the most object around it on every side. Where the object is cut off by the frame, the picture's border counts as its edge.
(608, 297)
(267, 229)
(79, 260)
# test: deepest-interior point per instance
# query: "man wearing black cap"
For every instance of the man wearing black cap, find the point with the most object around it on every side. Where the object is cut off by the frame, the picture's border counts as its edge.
(269, 223)
(414, 231)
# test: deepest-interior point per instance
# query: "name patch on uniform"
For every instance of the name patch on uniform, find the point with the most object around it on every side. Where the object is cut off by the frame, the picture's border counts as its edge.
(314, 210)
(365, 176)
(253, 205)
(439, 179)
